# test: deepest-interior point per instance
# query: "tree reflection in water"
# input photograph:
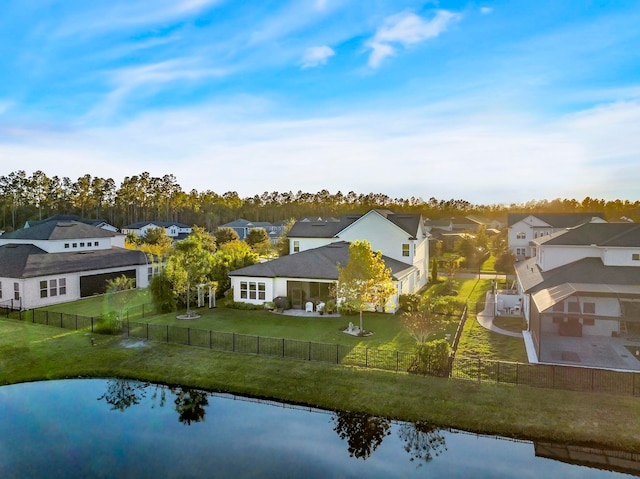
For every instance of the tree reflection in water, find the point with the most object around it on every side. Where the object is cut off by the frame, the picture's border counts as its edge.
(423, 441)
(364, 433)
(189, 403)
(122, 394)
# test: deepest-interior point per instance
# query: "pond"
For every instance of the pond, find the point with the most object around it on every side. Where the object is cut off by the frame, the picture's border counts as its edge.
(120, 428)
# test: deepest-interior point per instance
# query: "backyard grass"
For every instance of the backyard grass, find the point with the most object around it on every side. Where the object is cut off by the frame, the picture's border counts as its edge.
(31, 352)
(478, 342)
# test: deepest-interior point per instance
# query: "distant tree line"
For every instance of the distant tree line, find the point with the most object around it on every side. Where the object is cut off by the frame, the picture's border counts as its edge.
(144, 197)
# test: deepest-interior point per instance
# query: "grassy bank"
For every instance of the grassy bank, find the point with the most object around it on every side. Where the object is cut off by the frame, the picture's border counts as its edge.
(30, 352)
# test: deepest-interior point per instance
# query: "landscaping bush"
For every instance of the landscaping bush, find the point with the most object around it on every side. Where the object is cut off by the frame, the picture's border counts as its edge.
(432, 358)
(107, 324)
(243, 306)
(346, 309)
(409, 302)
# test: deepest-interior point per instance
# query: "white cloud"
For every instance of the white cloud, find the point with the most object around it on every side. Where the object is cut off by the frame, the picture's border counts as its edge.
(406, 29)
(315, 56)
(481, 156)
(486, 10)
(5, 106)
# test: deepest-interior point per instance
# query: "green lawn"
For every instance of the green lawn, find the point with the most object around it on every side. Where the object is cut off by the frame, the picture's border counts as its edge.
(387, 328)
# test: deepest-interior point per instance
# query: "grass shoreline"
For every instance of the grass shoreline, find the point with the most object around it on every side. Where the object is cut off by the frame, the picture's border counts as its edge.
(31, 352)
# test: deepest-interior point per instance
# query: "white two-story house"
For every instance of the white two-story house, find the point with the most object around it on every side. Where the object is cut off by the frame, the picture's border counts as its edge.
(584, 281)
(59, 261)
(525, 228)
(317, 247)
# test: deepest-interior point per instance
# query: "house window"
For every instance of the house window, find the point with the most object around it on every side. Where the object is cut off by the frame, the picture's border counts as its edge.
(558, 308)
(16, 291)
(43, 289)
(62, 286)
(405, 249)
(75, 245)
(588, 322)
(635, 256)
(96, 243)
(296, 246)
(252, 290)
(149, 273)
(573, 307)
(82, 245)
(521, 235)
(66, 245)
(88, 243)
(589, 308)
(521, 251)
(53, 287)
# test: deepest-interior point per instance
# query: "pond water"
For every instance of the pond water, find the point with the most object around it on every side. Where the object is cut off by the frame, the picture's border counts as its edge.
(119, 428)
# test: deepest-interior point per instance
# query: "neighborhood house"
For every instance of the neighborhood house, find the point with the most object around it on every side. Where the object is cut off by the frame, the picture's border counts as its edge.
(58, 261)
(318, 246)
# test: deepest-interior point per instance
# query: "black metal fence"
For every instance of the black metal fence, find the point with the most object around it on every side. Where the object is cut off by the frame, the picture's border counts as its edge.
(553, 376)
(572, 378)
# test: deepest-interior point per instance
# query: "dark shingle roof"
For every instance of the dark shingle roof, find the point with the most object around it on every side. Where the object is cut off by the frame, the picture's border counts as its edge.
(80, 219)
(59, 230)
(28, 261)
(317, 263)
(556, 220)
(585, 271)
(410, 223)
(600, 234)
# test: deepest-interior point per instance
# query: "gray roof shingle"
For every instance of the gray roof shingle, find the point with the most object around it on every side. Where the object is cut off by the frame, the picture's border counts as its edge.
(600, 234)
(585, 271)
(59, 230)
(318, 263)
(28, 261)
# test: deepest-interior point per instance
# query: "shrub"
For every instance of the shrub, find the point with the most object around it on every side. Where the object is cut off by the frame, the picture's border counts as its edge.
(409, 302)
(432, 358)
(243, 306)
(347, 309)
(107, 324)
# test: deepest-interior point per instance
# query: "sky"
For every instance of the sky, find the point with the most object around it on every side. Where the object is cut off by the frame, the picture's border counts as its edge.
(493, 102)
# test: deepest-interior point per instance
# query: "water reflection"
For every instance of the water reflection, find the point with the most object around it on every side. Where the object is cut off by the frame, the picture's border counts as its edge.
(189, 403)
(59, 429)
(364, 433)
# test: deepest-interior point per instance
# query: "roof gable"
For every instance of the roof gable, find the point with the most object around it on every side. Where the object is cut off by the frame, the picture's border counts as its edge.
(555, 220)
(59, 230)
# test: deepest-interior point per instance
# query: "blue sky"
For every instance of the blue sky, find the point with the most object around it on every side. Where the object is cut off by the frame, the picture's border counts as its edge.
(492, 102)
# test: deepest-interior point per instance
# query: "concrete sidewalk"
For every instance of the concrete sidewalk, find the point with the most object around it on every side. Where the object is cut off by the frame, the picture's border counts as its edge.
(485, 318)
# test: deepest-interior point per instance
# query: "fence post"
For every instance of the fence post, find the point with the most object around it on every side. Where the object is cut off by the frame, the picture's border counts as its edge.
(517, 373)
(233, 342)
(167, 333)
(92, 324)
(397, 360)
(147, 331)
(366, 357)
(60, 320)
(188, 336)
(309, 350)
(33, 315)
(258, 345)
(46, 317)
(210, 340)
(143, 310)
(337, 355)
(76, 322)
(479, 367)
(283, 347)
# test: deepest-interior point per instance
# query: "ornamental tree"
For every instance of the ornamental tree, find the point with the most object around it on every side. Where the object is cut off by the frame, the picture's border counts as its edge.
(365, 282)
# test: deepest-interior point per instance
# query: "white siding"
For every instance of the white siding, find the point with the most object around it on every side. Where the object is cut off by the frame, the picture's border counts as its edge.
(551, 257)
(621, 256)
(310, 243)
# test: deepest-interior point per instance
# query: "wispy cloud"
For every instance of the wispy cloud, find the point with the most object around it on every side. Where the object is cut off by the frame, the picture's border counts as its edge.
(405, 29)
(486, 10)
(146, 79)
(315, 56)
(116, 15)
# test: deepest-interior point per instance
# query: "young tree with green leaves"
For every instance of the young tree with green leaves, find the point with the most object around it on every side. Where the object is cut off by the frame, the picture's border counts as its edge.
(229, 257)
(190, 263)
(365, 281)
(258, 239)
